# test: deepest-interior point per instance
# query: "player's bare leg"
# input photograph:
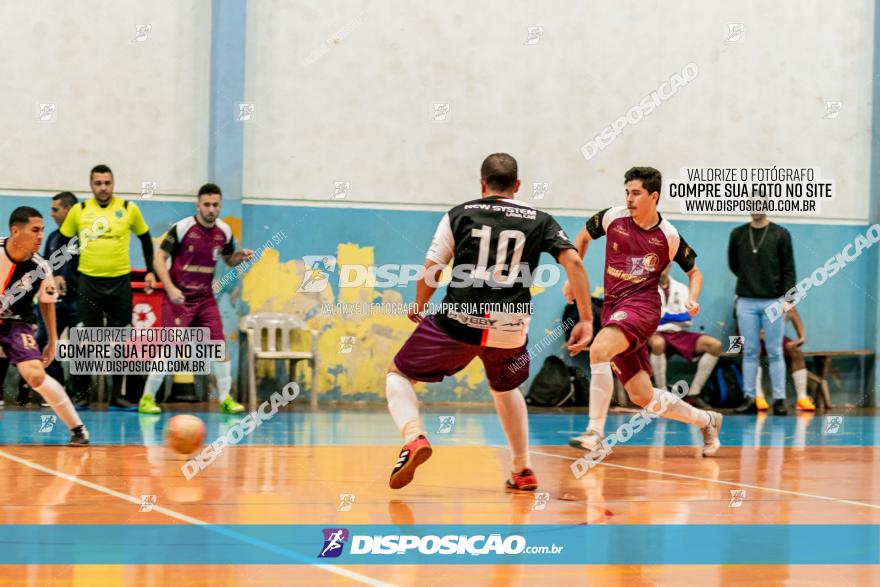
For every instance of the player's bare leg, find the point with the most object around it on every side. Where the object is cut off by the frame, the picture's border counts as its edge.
(609, 342)
(709, 349)
(404, 408)
(668, 405)
(32, 371)
(798, 368)
(657, 346)
(147, 403)
(514, 417)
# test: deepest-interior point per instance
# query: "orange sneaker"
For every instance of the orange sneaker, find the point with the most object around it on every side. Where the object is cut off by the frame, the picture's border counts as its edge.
(806, 405)
(761, 403)
(411, 456)
(525, 480)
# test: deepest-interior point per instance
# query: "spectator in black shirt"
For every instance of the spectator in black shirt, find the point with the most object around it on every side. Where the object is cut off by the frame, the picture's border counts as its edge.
(761, 256)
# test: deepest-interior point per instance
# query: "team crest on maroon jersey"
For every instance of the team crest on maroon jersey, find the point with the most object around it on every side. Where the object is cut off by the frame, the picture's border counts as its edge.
(643, 265)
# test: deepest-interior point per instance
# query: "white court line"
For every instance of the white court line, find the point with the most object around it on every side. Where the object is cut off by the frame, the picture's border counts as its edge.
(197, 522)
(718, 481)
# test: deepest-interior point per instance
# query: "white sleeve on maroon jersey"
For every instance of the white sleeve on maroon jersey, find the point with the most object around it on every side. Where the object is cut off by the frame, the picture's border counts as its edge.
(613, 214)
(672, 237)
(442, 246)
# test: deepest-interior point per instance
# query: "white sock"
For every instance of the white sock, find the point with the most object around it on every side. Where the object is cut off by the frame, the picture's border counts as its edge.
(759, 389)
(800, 382)
(658, 366)
(601, 387)
(675, 409)
(154, 382)
(514, 417)
(404, 406)
(54, 393)
(223, 373)
(704, 368)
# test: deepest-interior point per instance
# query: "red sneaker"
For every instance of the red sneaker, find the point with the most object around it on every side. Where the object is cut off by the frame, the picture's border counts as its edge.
(411, 456)
(525, 480)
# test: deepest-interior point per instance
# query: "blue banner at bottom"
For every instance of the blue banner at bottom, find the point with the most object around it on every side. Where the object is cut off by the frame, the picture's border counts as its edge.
(440, 544)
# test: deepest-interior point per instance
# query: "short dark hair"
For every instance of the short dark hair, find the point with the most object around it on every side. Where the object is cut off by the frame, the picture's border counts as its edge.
(499, 171)
(66, 199)
(209, 188)
(23, 215)
(100, 168)
(651, 178)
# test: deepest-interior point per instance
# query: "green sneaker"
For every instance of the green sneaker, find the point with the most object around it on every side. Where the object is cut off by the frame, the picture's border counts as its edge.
(147, 405)
(230, 406)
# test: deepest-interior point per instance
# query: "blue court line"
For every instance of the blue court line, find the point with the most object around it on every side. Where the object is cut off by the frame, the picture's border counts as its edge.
(580, 544)
(469, 428)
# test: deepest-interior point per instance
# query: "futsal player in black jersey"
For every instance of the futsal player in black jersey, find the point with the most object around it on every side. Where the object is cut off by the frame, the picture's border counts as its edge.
(25, 274)
(496, 241)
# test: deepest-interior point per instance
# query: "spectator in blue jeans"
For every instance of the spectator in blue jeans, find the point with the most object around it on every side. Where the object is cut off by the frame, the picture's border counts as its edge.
(761, 256)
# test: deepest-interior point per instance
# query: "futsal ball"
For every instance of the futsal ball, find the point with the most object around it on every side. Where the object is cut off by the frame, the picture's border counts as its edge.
(184, 434)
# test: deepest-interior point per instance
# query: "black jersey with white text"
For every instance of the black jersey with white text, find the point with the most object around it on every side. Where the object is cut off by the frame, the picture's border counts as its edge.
(22, 280)
(496, 243)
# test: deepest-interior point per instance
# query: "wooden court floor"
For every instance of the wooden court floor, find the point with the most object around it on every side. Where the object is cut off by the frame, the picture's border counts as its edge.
(787, 479)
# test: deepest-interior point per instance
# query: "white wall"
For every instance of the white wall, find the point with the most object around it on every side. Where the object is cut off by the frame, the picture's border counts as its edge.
(140, 107)
(361, 111)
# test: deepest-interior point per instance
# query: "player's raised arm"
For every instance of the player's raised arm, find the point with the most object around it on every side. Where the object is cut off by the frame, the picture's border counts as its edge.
(238, 257)
(695, 287)
(160, 265)
(582, 242)
(582, 333)
(48, 297)
(686, 258)
(436, 259)
(594, 229)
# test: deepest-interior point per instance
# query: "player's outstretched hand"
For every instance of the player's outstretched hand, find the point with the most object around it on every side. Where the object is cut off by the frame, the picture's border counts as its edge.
(175, 296)
(581, 336)
(149, 282)
(61, 285)
(247, 254)
(49, 354)
(414, 313)
(692, 307)
(566, 291)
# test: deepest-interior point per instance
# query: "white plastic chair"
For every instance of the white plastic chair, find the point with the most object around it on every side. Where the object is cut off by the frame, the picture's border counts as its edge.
(280, 328)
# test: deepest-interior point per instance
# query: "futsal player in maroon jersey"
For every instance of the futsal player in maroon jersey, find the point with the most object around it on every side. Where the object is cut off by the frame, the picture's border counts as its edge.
(639, 245)
(194, 245)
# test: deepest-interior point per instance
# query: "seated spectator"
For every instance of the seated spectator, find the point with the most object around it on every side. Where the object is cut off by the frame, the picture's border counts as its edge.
(672, 336)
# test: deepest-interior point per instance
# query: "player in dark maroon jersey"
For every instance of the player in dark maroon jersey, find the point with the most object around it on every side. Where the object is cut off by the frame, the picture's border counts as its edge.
(496, 240)
(639, 245)
(194, 245)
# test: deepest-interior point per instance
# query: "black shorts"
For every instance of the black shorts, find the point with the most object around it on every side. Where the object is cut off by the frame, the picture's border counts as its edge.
(104, 299)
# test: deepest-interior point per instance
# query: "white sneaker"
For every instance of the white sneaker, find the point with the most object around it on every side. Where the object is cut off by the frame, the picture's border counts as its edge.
(586, 441)
(711, 443)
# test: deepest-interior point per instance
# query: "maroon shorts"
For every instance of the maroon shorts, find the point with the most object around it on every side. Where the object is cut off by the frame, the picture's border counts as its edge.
(430, 354)
(682, 343)
(18, 340)
(203, 313)
(638, 319)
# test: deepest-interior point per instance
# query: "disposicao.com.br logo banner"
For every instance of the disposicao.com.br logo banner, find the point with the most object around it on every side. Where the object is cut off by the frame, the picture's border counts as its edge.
(579, 544)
